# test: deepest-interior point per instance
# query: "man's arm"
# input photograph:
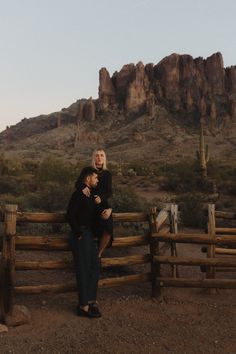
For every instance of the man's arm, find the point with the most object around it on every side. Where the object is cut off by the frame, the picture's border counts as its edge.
(73, 213)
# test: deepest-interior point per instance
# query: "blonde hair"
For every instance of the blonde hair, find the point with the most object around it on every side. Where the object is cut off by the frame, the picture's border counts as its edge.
(104, 166)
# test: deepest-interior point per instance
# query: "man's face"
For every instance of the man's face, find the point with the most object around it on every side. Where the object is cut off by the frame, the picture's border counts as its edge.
(92, 180)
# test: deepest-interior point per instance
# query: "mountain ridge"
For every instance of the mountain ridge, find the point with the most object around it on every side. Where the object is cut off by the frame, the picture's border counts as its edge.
(136, 105)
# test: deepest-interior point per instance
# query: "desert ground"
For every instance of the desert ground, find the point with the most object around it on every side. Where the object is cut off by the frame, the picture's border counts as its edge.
(179, 321)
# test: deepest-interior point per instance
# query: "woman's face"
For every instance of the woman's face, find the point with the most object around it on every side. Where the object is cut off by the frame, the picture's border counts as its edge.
(99, 158)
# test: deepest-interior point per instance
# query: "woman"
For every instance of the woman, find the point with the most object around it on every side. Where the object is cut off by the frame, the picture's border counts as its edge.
(102, 193)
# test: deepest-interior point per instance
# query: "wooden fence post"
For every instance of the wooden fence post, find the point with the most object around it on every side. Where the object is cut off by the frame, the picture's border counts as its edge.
(154, 250)
(174, 229)
(4, 296)
(210, 273)
(8, 254)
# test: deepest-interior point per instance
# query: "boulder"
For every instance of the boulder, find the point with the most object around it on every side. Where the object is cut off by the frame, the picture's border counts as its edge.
(19, 316)
(3, 328)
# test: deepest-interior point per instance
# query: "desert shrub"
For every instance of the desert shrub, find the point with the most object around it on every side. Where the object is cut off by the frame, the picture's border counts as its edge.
(191, 208)
(16, 185)
(179, 177)
(183, 177)
(220, 171)
(7, 185)
(51, 197)
(30, 165)
(205, 185)
(140, 169)
(124, 199)
(113, 168)
(54, 170)
(10, 167)
(131, 172)
(228, 187)
(169, 184)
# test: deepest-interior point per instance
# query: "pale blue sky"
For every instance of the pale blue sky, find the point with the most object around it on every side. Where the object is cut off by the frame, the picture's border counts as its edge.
(51, 50)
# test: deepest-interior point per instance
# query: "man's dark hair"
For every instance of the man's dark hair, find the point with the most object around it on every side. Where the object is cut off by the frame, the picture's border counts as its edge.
(86, 171)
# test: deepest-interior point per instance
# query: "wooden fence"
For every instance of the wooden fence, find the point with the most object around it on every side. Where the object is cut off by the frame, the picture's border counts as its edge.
(162, 237)
(12, 242)
(214, 238)
(222, 233)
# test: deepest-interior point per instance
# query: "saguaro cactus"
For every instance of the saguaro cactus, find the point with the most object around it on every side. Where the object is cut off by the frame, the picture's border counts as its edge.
(202, 154)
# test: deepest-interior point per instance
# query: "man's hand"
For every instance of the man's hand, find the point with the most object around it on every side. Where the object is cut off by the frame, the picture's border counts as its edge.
(86, 191)
(97, 199)
(106, 213)
(79, 238)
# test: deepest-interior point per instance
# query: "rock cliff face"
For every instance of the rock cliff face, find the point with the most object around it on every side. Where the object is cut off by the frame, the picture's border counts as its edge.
(197, 88)
(185, 88)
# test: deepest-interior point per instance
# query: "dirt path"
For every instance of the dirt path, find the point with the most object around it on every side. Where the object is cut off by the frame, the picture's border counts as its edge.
(183, 321)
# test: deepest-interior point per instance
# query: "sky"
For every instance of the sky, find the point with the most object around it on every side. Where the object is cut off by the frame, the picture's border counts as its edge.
(51, 51)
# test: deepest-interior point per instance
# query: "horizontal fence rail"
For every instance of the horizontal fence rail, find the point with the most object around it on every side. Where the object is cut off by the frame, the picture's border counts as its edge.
(225, 230)
(26, 217)
(195, 238)
(193, 283)
(188, 261)
(61, 243)
(68, 264)
(57, 288)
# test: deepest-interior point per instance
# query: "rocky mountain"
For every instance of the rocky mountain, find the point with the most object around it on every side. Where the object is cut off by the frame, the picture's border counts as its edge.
(142, 111)
(189, 87)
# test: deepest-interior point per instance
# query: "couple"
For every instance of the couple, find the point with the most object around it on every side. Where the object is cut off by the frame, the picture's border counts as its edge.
(90, 219)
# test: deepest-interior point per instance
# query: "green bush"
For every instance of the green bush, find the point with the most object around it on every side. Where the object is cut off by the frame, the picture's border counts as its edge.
(51, 197)
(124, 199)
(54, 170)
(192, 213)
(10, 167)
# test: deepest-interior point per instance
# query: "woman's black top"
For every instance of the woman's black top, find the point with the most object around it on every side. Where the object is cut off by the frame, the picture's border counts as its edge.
(104, 191)
(104, 187)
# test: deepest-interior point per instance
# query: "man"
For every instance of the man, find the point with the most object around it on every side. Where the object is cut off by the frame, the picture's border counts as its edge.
(81, 213)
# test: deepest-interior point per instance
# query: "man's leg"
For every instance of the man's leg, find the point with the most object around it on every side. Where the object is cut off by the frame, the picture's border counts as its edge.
(84, 268)
(94, 272)
(73, 241)
(94, 277)
(82, 259)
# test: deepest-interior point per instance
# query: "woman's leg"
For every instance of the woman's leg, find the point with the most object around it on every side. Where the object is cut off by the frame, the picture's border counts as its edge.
(104, 242)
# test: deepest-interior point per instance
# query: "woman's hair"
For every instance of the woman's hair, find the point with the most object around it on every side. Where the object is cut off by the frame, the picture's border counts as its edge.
(104, 167)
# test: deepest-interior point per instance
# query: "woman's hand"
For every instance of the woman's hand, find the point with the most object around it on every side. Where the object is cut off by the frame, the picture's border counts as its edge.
(97, 199)
(106, 213)
(86, 191)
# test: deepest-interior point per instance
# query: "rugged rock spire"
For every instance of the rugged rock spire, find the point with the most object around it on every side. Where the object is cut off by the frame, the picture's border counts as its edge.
(179, 83)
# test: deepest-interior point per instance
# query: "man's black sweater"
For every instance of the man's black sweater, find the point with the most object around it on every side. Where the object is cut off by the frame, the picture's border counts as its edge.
(82, 211)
